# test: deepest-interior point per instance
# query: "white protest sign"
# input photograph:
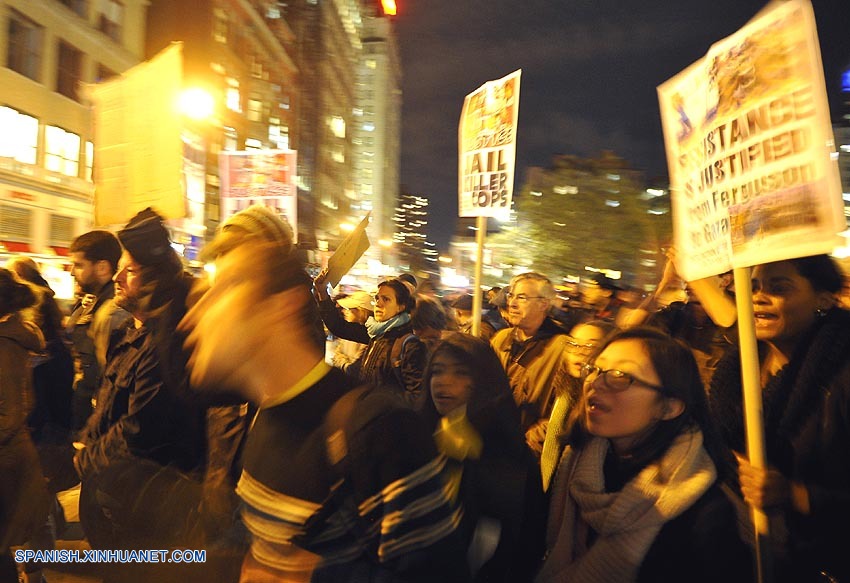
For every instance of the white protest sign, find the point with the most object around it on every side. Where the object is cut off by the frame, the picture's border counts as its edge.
(749, 148)
(487, 148)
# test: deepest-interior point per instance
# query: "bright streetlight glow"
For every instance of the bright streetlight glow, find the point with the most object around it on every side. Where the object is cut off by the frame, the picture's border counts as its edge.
(196, 103)
(444, 259)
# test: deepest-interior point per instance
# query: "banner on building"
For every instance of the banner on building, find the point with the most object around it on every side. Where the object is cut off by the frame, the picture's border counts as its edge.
(487, 148)
(138, 147)
(263, 177)
(750, 150)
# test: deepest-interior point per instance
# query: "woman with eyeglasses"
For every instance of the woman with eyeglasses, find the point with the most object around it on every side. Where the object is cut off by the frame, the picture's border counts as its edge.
(636, 496)
(583, 340)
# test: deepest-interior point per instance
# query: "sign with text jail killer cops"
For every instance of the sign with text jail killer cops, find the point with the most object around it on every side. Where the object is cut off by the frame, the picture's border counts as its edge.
(753, 177)
(487, 148)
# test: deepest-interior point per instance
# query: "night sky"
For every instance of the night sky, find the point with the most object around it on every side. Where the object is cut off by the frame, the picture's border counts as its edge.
(590, 69)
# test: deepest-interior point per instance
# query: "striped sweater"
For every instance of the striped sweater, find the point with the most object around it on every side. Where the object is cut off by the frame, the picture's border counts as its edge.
(384, 509)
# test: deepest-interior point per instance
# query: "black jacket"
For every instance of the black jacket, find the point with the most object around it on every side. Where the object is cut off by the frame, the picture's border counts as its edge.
(385, 362)
(807, 431)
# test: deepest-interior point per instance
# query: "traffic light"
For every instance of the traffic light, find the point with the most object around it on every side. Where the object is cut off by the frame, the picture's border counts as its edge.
(388, 7)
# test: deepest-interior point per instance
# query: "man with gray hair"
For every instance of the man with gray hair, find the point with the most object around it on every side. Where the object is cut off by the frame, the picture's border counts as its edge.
(532, 352)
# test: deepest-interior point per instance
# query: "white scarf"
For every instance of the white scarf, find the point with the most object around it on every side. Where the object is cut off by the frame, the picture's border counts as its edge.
(626, 522)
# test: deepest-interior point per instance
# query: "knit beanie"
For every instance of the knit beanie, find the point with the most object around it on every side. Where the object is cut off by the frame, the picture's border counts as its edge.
(146, 238)
(256, 221)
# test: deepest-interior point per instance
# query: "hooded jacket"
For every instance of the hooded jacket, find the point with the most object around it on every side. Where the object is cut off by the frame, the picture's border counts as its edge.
(17, 339)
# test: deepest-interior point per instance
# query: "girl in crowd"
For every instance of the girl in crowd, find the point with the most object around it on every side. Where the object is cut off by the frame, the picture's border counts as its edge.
(636, 495)
(804, 343)
(394, 357)
(477, 425)
(24, 501)
(584, 338)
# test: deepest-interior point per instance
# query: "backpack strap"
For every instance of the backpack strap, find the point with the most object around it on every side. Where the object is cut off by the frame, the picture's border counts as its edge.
(397, 355)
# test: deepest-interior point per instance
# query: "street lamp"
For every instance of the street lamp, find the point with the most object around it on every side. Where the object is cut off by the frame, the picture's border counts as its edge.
(196, 103)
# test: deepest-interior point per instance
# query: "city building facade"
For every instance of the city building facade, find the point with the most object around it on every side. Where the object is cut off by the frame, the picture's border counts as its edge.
(48, 50)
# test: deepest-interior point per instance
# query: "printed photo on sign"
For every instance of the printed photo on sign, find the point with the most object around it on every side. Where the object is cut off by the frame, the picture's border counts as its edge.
(747, 133)
(487, 146)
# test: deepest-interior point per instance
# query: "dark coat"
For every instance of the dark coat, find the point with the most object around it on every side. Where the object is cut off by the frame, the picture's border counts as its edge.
(87, 340)
(701, 545)
(376, 365)
(23, 494)
(140, 412)
(807, 430)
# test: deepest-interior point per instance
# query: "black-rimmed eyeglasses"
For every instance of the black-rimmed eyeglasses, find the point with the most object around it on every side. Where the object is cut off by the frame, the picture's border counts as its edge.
(614, 380)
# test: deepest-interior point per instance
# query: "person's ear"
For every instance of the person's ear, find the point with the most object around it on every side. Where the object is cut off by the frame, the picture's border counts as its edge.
(102, 267)
(672, 408)
(825, 301)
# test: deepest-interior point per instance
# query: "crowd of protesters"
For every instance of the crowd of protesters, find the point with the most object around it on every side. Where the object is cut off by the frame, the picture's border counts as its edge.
(593, 439)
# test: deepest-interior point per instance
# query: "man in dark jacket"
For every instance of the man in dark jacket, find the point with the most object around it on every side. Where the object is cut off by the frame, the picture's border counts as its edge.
(95, 316)
(145, 434)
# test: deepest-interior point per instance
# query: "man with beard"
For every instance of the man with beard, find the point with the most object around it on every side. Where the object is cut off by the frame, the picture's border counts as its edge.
(145, 435)
(95, 316)
(532, 351)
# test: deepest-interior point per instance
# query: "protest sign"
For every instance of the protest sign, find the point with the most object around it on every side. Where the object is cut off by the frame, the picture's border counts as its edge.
(487, 148)
(263, 177)
(137, 142)
(349, 251)
(750, 148)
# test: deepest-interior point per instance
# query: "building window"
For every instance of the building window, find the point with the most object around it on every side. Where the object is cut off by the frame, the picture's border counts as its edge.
(230, 139)
(232, 99)
(337, 126)
(61, 230)
(278, 134)
(19, 138)
(24, 50)
(15, 223)
(78, 6)
(253, 144)
(255, 110)
(104, 73)
(111, 19)
(61, 151)
(220, 25)
(89, 161)
(70, 70)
